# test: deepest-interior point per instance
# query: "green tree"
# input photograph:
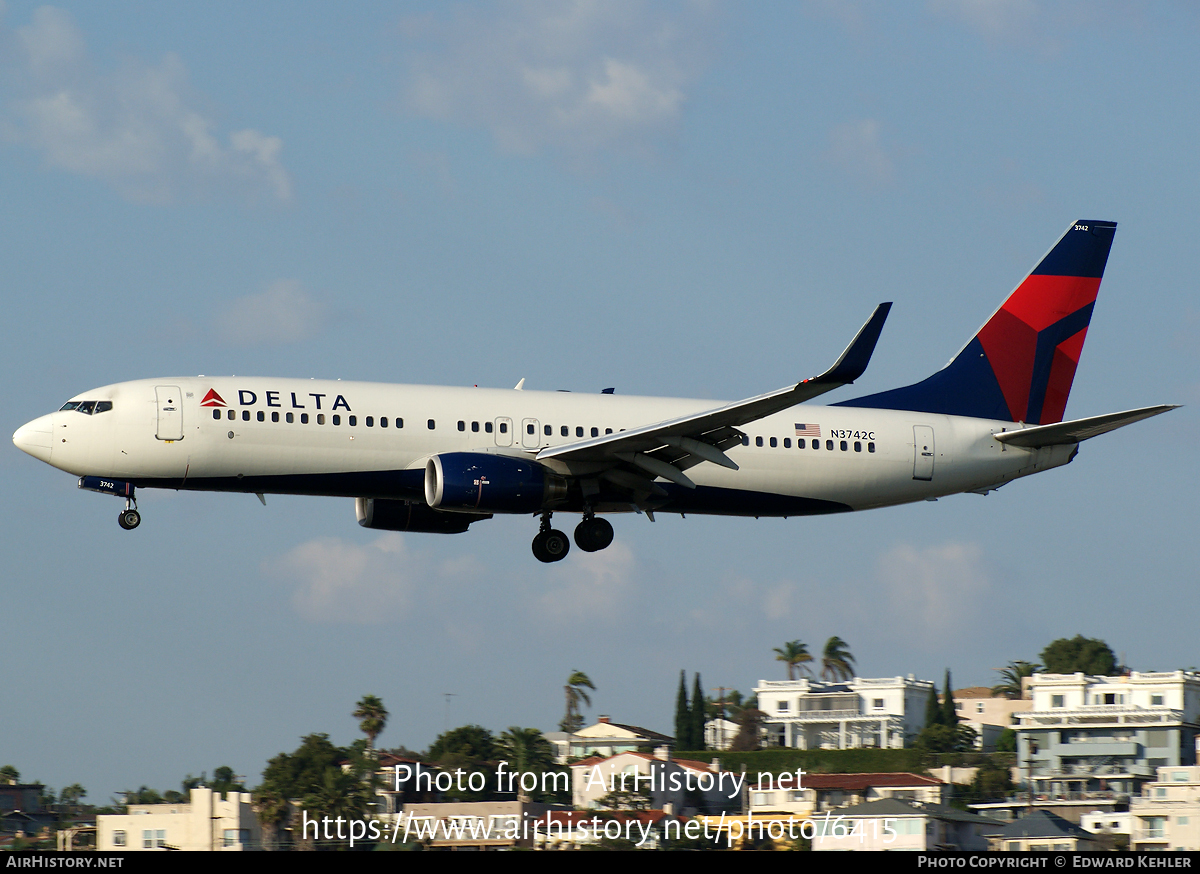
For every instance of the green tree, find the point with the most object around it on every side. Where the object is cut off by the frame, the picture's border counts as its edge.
(1011, 677)
(949, 712)
(1007, 741)
(373, 717)
(836, 661)
(683, 716)
(697, 716)
(576, 683)
(473, 749)
(9, 774)
(749, 736)
(795, 655)
(1079, 653)
(72, 795)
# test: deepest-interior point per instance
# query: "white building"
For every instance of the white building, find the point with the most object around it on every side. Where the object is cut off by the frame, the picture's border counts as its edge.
(675, 785)
(607, 738)
(1087, 736)
(1166, 816)
(206, 822)
(810, 714)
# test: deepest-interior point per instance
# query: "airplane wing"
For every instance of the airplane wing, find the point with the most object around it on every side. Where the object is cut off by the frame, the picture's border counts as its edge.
(1080, 429)
(668, 448)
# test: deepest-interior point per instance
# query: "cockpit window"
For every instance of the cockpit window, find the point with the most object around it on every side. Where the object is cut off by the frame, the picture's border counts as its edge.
(69, 405)
(103, 406)
(86, 407)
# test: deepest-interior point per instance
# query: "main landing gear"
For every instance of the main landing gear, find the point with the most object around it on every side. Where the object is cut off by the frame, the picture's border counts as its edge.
(591, 535)
(130, 518)
(550, 545)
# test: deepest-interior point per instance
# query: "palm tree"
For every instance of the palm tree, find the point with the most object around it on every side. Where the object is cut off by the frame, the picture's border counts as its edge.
(576, 683)
(836, 662)
(1013, 674)
(526, 750)
(794, 654)
(374, 717)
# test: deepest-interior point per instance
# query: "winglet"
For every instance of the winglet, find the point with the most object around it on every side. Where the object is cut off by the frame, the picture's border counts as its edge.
(854, 360)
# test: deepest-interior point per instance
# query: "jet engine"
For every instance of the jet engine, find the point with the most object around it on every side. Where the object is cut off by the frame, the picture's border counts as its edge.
(408, 516)
(476, 482)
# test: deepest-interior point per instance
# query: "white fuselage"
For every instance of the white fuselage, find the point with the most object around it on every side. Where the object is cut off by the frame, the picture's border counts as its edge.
(158, 434)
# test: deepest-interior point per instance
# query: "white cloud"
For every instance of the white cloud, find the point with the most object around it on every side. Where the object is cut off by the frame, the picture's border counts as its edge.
(934, 593)
(589, 586)
(993, 19)
(337, 580)
(856, 147)
(133, 127)
(579, 76)
(283, 313)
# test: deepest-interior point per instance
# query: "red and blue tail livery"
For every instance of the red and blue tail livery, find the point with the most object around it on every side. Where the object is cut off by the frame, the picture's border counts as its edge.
(1020, 365)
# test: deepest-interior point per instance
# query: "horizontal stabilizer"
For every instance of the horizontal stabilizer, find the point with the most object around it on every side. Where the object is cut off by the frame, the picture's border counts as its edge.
(1078, 430)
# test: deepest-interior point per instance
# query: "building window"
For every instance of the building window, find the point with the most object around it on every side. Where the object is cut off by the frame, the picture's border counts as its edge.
(782, 707)
(979, 707)
(119, 838)
(1156, 700)
(877, 704)
(1057, 701)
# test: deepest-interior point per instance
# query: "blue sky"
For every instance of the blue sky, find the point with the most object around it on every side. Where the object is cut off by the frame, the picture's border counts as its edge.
(695, 199)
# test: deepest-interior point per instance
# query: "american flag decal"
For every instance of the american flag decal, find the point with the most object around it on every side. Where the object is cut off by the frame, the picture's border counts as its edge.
(803, 430)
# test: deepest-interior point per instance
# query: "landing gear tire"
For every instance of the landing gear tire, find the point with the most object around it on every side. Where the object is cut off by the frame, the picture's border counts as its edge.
(551, 545)
(593, 535)
(129, 519)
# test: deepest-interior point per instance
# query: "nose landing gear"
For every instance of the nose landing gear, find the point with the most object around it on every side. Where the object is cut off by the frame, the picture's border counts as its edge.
(130, 518)
(550, 544)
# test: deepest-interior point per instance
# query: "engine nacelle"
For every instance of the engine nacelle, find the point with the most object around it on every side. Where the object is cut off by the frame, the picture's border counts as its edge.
(408, 516)
(476, 482)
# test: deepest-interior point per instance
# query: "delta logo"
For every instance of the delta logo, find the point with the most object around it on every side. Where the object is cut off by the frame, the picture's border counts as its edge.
(212, 399)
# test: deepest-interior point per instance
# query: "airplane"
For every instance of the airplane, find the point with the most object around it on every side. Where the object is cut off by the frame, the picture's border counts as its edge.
(438, 459)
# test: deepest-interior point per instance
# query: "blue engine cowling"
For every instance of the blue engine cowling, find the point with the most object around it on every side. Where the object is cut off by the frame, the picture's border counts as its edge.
(476, 482)
(386, 515)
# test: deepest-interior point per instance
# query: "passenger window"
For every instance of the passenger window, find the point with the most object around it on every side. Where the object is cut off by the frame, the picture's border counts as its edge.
(565, 431)
(232, 415)
(245, 415)
(857, 446)
(304, 418)
(462, 426)
(816, 444)
(745, 440)
(758, 441)
(399, 422)
(530, 429)
(829, 445)
(774, 443)
(431, 424)
(504, 427)
(320, 418)
(291, 417)
(337, 420)
(870, 447)
(216, 414)
(844, 446)
(370, 421)
(474, 427)
(353, 420)
(787, 442)
(547, 430)
(383, 421)
(262, 417)
(487, 426)
(274, 417)
(608, 430)
(578, 431)
(595, 432)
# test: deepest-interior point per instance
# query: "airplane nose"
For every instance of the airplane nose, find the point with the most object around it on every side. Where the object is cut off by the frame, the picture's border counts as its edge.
(36, 438)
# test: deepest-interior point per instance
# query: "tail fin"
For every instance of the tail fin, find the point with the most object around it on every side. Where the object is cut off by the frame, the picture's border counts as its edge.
(1020, 365)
